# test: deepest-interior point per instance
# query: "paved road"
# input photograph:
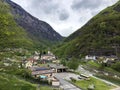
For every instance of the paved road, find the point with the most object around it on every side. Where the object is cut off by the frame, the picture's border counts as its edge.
(65, 84)
(116, 88)
(68, 86)
(83, 71)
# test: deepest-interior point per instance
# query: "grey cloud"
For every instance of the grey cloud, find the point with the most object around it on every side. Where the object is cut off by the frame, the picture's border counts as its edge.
(64, 15)
(50, 7)
(73, 13)
(47, 6)
(90, 4)
(94, 13)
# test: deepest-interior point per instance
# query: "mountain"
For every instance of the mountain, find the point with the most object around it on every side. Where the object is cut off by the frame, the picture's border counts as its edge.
(11, 34)
(36, 32)
(36, 28)
(99, 36)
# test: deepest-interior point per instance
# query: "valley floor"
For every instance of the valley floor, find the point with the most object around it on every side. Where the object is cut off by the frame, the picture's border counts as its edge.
(63, 77)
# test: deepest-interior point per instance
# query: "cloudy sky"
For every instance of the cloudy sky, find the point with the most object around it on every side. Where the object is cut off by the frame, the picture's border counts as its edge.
(65, 16)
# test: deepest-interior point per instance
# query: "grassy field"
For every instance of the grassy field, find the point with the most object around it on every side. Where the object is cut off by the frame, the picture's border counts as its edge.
(99, 85)
(45, 88)
(93, 64)
(109, 78)
(10, 82)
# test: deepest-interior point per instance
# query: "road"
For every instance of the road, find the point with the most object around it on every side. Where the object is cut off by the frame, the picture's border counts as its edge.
(68, 86)
(82, 70)
(116, 88)
(65, 84)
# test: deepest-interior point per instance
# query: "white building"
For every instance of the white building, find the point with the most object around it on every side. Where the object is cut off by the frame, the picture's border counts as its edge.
(50, 53)
(89, 57)
(48, 57)
(36, 57)
(28, 64)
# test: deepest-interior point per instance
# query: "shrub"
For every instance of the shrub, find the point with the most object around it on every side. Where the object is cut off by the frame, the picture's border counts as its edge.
(116, 66)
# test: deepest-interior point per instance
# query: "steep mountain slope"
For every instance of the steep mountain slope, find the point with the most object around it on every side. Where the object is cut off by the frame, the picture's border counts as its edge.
(11, 35)
(100, 36)
(20, 29)
(36, 29)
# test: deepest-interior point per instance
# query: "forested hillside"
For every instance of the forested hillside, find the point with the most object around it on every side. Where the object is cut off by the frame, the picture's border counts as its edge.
(100, 36)
(11, 34)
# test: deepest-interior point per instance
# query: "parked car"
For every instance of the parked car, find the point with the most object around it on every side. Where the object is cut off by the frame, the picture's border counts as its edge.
(80, 78)
(73, 79)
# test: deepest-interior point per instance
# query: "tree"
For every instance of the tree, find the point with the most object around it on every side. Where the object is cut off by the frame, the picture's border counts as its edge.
(73, 64)
(64, 62)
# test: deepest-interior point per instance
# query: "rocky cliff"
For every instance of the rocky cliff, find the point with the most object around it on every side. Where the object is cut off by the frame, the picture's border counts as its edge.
(36, 29)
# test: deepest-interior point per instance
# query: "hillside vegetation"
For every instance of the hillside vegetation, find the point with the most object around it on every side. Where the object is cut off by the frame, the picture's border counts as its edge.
(13, 83)
(100, 36)
(19, 29)
(11, 35)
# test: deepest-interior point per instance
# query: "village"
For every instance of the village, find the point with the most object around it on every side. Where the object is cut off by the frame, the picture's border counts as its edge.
(47, 67)
(47, 70)
(44, 67)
